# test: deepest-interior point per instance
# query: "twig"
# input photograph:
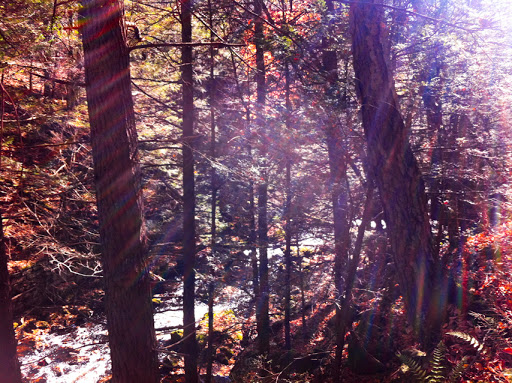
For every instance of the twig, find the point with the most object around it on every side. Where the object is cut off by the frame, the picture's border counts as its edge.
(216, 44)
(59, 81)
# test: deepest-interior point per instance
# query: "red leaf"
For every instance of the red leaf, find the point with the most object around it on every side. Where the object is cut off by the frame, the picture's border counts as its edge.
(508, 350)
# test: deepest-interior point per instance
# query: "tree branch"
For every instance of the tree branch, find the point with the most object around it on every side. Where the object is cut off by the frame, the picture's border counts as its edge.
(399, 9)
(216, 44)
(59, 81)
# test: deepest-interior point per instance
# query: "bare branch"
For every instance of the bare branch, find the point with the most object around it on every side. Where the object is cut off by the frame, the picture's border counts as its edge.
(59, 81)
(216, 44)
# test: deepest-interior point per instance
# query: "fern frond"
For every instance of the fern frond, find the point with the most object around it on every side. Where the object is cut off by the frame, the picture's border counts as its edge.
(413, 366)
(469, 339)
(437, 373)
(458, 370)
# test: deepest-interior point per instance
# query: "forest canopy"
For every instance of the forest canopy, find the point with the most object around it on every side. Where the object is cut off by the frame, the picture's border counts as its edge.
(255, 190)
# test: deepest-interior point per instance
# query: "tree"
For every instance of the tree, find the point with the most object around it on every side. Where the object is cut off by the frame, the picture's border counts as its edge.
(213, 205)
(189, 197)
(337, 155)
(118, 193)
(262, 305)
(9, 365)
(393, 167)
(288, 218)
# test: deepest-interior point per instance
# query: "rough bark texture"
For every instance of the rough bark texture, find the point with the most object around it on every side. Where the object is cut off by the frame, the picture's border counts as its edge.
(189, 199)
(393, 165)
(9, 365)
(118, 192)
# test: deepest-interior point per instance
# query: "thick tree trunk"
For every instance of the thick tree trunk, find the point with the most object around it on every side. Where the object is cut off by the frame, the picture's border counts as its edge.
(394, 168)
(262, 306)
(118, 192)
(9, 365)
(189, 199)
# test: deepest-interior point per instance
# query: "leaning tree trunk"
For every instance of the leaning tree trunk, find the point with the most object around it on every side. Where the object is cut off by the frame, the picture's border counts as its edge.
(9, 365)
(118, 193)
(394, 167)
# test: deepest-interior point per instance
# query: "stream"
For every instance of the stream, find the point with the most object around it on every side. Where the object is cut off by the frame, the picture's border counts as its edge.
(82, 354)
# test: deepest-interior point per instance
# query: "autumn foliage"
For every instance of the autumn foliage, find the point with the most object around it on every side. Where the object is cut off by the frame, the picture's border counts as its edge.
(283, 136)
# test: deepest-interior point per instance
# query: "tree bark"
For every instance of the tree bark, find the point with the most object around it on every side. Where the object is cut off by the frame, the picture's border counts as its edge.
(262, 306)
(189, 199)
(288, 226)
(214, 186)
(118, 193)
(252, 223)
(394, 168)
(210, 349)
(338, 181)
(302, 293)
(9, 365)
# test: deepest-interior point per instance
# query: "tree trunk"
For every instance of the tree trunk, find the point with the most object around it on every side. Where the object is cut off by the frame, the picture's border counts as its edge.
(262, 306)
(288, 226)
(118, 193)
(394, 168)
(338, 180)
(431, 96)
(214, 186)
(345, 319)
(302, 294)
(189, 198)
(9, 365)
(252, 226)
(210, 350)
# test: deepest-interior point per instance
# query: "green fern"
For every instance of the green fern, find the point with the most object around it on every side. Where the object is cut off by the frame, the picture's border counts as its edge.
(458, 370)
(437, 369)
(477, 345)
(414, 366)
(494, 331)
